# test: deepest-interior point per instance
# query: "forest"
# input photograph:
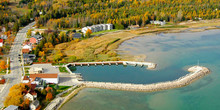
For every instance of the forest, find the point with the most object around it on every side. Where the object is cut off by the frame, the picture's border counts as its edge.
(122, 13)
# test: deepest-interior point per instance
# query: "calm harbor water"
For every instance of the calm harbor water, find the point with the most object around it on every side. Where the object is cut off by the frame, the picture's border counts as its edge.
(173, 53)
(127, 74)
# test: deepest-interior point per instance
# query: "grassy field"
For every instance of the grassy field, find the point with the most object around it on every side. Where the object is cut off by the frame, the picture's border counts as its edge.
(96, 48)
(63, 69)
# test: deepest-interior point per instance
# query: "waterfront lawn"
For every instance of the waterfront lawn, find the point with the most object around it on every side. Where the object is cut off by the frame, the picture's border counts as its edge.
(63, 69)
(105, 31)
(2, 72)
(61, 88)
(66, 94)
(174, 26)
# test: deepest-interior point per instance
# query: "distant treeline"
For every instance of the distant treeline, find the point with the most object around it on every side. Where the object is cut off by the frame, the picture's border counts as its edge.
(122, 13)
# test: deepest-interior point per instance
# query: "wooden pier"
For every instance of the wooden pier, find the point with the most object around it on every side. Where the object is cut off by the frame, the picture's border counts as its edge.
(148, 64)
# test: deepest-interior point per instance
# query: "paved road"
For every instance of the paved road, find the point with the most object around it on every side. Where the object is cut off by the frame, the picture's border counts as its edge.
(15, 66)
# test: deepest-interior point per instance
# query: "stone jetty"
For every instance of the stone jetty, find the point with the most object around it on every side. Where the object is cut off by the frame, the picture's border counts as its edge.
(196, 72)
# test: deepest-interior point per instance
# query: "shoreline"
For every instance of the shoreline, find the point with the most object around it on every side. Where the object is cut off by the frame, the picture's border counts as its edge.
(176, 31)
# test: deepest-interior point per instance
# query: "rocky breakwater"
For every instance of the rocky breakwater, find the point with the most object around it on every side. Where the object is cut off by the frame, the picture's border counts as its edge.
(196, 72)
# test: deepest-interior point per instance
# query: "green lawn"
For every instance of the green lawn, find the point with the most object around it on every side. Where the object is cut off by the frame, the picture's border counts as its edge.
(69, 92)
(26, 70)
(100, 32)
(61, 88)
(63, 69)
(2, 72)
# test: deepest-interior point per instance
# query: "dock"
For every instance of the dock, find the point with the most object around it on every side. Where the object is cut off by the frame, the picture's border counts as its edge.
(196, 72)
(148, 64)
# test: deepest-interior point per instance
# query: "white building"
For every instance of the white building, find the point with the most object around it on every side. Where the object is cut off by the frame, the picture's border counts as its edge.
(49, 78)
(35, 70)
(4, 36)
(30, 96)
(34, 105)
(97, 28)
(27, 47)
(158, 22)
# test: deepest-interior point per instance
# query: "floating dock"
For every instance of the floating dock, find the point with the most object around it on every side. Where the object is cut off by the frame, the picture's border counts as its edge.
(196, 72)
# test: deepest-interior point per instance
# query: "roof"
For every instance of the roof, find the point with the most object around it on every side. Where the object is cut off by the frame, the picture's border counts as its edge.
(36, 69)
(77, 35)
(25, 50)
(28, 55)
(11, 107)
(26, 47)
(44, 75)
(1, 40)
(37, 36)
(35, 103)
(26, 78)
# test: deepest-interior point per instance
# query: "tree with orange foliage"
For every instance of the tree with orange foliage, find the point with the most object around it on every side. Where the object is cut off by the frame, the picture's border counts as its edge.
(88, 33)
(25, 104)
(1, 51)
(49, 96)
(3, 65)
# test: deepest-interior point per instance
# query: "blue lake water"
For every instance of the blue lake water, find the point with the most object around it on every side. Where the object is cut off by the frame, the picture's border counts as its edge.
(173, 53)
(127, 74)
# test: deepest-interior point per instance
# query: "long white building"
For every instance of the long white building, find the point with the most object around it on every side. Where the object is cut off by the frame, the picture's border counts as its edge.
(97, 28)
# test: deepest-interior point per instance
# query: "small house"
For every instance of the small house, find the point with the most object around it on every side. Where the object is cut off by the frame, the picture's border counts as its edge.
(27, 47)
(28, 58)
(77, 35)
(25, 51)
(36, 39)
(30, 96)
(4, 36)
(34, 105)
(1, 42)
(26, 79)
(2, 80)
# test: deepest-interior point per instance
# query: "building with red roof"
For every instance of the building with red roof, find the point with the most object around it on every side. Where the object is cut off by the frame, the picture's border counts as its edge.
(1, 42)
(39, 78)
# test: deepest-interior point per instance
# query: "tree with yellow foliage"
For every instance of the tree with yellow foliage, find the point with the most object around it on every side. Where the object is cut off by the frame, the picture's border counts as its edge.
(41, 53)
(15, 96)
